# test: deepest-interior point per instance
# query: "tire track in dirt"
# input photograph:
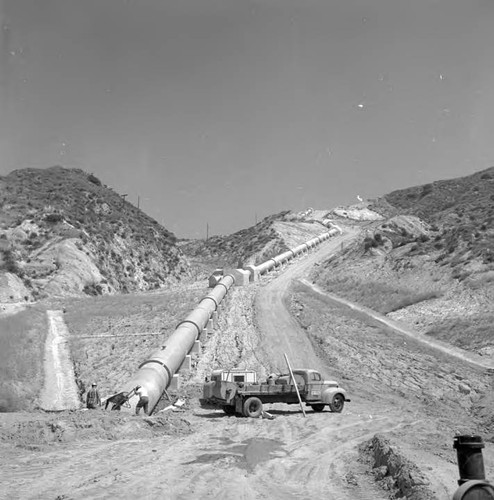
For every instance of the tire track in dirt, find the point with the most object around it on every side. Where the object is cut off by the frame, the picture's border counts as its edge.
(59, 390)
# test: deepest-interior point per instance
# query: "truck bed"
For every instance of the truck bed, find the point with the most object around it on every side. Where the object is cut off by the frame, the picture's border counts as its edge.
(271, 389)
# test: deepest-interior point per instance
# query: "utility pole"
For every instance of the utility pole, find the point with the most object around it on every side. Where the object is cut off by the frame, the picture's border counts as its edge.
(207, 231)
(138, 201)
(256, 218)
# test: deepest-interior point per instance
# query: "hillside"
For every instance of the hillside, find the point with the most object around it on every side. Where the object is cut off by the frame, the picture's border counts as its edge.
(459, 211)
(269, 237)
(63, 232)
(429, 262)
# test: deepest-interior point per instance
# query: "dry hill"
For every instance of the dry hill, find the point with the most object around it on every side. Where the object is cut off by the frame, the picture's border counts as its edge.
(271, 236)
(429, 261)
(63, 232)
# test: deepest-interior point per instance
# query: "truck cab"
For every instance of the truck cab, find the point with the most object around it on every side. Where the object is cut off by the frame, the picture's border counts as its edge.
(313, 388)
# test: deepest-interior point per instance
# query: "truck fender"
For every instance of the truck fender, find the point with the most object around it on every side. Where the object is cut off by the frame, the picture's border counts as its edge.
(327, 395)
(227, 391)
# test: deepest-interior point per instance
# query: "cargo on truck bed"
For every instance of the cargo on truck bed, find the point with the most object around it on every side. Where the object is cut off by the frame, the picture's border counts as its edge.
(238, 391)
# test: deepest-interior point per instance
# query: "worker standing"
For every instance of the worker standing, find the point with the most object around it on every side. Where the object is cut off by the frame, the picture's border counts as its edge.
(92, 399)
(143, 399)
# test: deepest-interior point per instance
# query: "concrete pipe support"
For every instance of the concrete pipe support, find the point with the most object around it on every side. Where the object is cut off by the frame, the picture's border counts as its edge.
(299, 249)
(266, 266)
(283, 257)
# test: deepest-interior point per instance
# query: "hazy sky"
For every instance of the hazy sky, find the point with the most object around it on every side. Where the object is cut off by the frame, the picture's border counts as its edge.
(213, 111)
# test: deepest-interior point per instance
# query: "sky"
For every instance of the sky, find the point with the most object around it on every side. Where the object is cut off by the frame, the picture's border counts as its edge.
(217, 113)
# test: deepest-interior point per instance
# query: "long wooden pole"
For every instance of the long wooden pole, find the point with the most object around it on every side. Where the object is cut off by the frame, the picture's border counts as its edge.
(295, 384)
(112, 335)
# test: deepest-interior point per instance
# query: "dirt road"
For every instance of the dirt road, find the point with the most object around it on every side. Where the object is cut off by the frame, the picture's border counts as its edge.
(281, 332)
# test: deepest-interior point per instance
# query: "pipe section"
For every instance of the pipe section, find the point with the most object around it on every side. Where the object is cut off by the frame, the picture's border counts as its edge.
(155, 374)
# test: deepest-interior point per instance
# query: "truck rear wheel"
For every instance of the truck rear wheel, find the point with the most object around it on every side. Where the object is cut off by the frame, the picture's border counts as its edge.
(337, 403)
(252, 407)
(318, 407)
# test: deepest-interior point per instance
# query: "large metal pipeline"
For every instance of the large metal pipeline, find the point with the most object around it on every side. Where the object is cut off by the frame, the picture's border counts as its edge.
(155, 374)
(285, 256)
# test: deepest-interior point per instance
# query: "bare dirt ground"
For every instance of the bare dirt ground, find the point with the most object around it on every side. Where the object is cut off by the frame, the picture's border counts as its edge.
(59, 389)
(9, 308)
(399, 388)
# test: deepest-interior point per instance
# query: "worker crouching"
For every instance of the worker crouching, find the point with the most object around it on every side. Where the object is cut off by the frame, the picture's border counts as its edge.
(143, 399)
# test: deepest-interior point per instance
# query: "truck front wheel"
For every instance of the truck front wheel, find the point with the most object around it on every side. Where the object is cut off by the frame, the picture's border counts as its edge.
(252, 407)
(337, 403)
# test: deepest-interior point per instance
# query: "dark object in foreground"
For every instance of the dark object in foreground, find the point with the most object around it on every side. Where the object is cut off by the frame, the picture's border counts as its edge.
(473, 485)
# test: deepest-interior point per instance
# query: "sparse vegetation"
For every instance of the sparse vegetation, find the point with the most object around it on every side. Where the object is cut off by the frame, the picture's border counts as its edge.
(22, 338)
(460, 210)
(69, 204)
(382, 296)
(251, 246)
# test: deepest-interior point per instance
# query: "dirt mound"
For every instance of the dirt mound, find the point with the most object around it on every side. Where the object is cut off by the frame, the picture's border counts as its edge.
(393, 471)
(36, 430)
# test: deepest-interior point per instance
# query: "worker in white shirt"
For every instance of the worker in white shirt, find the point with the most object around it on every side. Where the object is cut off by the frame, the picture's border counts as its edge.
(143, 399)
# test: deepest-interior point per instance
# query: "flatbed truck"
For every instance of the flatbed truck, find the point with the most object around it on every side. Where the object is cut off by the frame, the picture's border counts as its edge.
(239, 392)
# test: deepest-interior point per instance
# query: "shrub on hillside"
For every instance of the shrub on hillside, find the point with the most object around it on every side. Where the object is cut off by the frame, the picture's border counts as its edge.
(22, 338)
(9, 262)
(53, 218)
(93, 289)
(92, 178)
(426, 189)
(370, 243)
